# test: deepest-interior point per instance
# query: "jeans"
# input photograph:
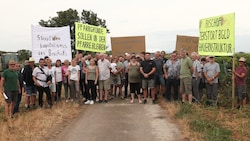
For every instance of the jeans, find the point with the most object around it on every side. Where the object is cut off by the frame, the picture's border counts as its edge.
(83, 87)
(169, 84)
(66, 90)
(74, 89)
(91, 86)
(41, 90)
(58, 90)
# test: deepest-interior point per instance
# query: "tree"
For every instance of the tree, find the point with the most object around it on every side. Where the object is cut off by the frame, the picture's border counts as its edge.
(69, 17)
(23, 55)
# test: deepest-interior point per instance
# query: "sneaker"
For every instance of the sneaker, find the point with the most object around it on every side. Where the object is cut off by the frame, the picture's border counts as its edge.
(100, 101)
(87, 102)
(72, 100)
(105, 101)
(132, 101)
(144, 101)
(97, 99)
(91, 102)
(67, 100)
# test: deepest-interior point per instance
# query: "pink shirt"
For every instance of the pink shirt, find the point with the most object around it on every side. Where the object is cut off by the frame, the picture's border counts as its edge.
(240, 81)
(64, 73)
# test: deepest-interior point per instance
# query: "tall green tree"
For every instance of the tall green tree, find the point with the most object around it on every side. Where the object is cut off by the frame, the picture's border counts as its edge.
(69, 17)
(23, 55)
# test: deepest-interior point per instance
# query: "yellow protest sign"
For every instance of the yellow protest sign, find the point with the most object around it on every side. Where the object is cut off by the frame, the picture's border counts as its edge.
(90, 38)
(217, 35)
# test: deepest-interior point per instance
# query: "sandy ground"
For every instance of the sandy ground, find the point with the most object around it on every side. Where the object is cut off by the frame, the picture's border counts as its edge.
(119, 120)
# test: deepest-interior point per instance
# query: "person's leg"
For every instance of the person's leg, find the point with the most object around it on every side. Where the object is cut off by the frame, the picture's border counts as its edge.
(40, 96)
(72, 90)
(7, 109)
(59, 91)
(209, 91)
(93, 91)
(126, 86)
(17, 103)
(175, 84)
(65, 85)
(138, 92)
(132, 92)
(145, 90)
(182, 90)
(168, 91)
(88, 87)
(77, 89)
(106, 89)
(215, 91)
(195, 88)
(48, 95)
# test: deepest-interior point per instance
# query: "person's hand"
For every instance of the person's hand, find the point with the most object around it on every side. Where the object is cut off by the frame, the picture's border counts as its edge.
(86, 82)
(19, 90)
(95, 82)
(145, 75)
(166, 76)
(49, 82)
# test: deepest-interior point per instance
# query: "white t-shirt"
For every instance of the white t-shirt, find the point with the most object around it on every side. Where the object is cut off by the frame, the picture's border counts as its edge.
(113, 67)
(52, 71)
(58, 74)
(74, 72)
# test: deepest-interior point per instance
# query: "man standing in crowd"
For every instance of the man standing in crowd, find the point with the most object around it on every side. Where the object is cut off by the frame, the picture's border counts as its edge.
(147, 70)
(172, 75)
(40, 74)
(104, 77)
(196, 75)
(159, 79)
(240, 82)
(10, 88)
(211, 72)
(30, 88)
(185, 77)
(19, 96)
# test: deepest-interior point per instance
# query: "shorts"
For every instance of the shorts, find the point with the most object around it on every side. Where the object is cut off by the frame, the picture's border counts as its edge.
(186, 85)
(104, 84)
(12, 96)
(30, 90)
(52, 87)
(159, 80)
(241, 92)
(148, 83)
(115, 80)
(135, 88)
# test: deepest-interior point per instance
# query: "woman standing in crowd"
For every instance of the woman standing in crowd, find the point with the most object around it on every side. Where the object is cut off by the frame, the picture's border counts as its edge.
(58, 77)
(91, 81)
(52, 86)
(74, 78)
(65, 79)
(134, 78)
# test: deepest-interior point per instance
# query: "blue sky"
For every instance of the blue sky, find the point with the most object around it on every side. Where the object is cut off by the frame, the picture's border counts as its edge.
(159, 20)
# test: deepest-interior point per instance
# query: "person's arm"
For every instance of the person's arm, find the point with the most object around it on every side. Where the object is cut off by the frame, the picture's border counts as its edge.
(165, 71)
(1, 85)
(127, 68)
(97, 75)
(152, 71)
(86, 76)
(69, 74)
(19, 88)
(78, 75)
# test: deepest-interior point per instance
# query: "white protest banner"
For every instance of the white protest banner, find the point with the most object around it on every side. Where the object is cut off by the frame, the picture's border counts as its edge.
(53, 42)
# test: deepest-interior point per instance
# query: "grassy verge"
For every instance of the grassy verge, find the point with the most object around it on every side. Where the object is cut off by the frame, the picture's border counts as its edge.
(208, 123)
(36, 124)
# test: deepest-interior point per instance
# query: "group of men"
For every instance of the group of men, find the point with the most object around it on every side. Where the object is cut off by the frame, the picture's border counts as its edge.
(181, 73)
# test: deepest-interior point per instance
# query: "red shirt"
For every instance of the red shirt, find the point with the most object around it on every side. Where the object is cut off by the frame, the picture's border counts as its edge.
(238, 80)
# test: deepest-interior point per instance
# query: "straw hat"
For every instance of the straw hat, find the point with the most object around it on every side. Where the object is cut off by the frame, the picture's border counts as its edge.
(242, 59)
(31, 59)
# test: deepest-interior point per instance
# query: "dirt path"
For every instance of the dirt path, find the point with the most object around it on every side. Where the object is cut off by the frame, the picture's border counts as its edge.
(119, 120)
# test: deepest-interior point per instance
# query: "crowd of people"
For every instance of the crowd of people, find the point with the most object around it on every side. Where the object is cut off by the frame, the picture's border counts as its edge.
(95, 79)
